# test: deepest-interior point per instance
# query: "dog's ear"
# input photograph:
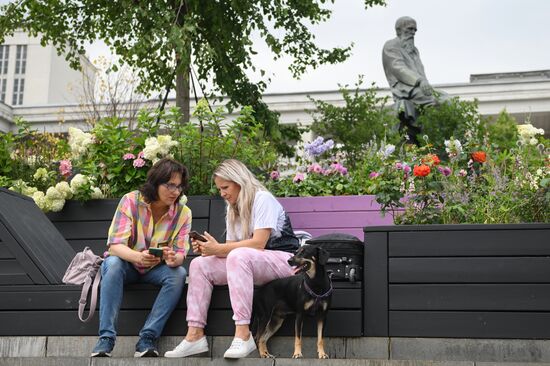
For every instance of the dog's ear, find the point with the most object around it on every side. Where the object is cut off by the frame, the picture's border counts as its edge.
(323, 256)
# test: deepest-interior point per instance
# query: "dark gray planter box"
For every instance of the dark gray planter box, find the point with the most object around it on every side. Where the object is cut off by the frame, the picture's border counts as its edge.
(471, 281)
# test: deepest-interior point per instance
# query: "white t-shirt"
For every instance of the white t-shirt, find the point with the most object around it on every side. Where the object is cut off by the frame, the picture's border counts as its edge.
(267, 213)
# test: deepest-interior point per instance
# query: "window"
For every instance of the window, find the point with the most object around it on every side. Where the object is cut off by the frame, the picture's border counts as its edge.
(4, 56)
(18, 89)
(3, 83)
(20, 59)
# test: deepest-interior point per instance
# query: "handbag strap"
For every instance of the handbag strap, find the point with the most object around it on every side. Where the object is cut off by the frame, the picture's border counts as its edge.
(84, 296)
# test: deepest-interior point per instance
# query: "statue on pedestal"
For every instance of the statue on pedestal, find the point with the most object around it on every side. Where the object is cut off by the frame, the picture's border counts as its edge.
(406, 76)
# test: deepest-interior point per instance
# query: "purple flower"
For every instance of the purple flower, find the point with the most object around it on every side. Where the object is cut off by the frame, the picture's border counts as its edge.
(318, 146)
(373, 175)
(138, 163)
(446, 171)
(65, 168)
(399, 165)
(299, 177)
(128, 156)
(406, 168)
(274, 175)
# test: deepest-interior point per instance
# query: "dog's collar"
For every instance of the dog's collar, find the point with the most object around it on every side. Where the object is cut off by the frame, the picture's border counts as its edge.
(317, 297)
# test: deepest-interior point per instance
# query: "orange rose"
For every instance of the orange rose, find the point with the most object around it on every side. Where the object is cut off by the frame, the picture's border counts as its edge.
(479, 156)
(421, 170)
(431, 159)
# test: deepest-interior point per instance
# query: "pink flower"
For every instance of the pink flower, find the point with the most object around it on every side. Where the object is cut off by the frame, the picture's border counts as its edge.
(462, 173)
(140, 155)
(373, 175)
(299, 177)
(65, 168)
(337, 167)
(128, 156)
(315, 168)
(274, 175)
(399, 165)
(406, 169)
(138, 163)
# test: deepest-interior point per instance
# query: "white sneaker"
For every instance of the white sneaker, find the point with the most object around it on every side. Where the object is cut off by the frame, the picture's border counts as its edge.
(186, 348)
(240, 348)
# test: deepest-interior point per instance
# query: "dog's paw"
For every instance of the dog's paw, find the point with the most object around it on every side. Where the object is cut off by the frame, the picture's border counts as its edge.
(266, 355)
(297, 355)
(323, 356)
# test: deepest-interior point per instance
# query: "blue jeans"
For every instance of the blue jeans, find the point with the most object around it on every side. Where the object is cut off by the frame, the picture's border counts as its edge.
(116, 273)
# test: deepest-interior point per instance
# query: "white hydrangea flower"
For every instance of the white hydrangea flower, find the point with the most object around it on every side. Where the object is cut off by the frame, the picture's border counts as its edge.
(41, 174)
(78, 181)
(183, 200)
(55, 205)
(97, 194)
(40, 199)
(158, 146)
(65, 189)
(79, 141)
(29, 191)
(527, 133)
(53, 194)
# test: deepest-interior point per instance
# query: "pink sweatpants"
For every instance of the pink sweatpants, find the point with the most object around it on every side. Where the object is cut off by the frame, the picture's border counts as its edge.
(240, 270)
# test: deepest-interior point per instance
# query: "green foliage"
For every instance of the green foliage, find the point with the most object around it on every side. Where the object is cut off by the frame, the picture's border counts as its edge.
(362, 119)
(454, 117)
(503, 133)
(150, 36)
(203, 149)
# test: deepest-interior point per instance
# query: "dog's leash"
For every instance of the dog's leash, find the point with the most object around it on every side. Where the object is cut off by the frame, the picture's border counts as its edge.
(313, 294)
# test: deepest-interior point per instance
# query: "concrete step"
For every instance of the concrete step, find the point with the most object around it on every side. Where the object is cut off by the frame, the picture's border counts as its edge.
(122, 361)
(44, 350)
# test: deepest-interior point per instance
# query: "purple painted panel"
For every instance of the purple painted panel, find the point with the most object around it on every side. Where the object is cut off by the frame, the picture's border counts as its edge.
(339, 219)
(343, 214)
(330, 203)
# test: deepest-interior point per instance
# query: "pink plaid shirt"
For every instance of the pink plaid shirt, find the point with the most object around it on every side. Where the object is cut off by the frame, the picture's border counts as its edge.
(133, 226)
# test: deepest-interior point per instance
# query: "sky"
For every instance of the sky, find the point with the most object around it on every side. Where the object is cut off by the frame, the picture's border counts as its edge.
(456, 38)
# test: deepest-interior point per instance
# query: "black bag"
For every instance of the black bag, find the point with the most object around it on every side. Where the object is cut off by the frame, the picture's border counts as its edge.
(346, 255)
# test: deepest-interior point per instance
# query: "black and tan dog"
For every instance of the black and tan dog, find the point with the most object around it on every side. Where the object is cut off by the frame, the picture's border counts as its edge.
(307, 293)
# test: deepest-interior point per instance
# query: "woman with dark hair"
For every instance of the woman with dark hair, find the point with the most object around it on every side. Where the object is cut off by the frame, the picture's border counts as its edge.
(151, 217)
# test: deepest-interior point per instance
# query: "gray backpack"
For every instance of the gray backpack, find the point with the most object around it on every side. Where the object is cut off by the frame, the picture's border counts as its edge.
(84, 270)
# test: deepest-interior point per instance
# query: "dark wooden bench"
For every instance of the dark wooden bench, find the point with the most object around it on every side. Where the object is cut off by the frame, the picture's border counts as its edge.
(34, 254)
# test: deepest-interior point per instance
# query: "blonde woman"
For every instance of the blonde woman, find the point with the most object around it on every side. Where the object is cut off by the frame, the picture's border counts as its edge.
(259, 243)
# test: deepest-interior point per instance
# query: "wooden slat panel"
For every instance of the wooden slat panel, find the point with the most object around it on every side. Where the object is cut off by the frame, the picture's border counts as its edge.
(98, 230)
(470, 324)
(15, 279)
(376, 285)
(329, 203)
(469, 243)
(94, 210)
(83, 229)
(5, 252)
(11, 266)
(470, 270)
(337, 220)
(66, 323)
(36, 235)
(98, 246)
(200, 207)
(216, 224)
(497, 297)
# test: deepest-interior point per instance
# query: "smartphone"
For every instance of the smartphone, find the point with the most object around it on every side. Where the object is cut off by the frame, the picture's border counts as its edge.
(157, 252)
(196, 236)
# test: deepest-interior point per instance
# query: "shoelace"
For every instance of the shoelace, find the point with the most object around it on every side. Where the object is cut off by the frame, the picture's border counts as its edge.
(237, 343)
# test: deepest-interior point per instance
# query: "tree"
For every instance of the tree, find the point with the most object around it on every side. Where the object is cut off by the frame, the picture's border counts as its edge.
(160, 38)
